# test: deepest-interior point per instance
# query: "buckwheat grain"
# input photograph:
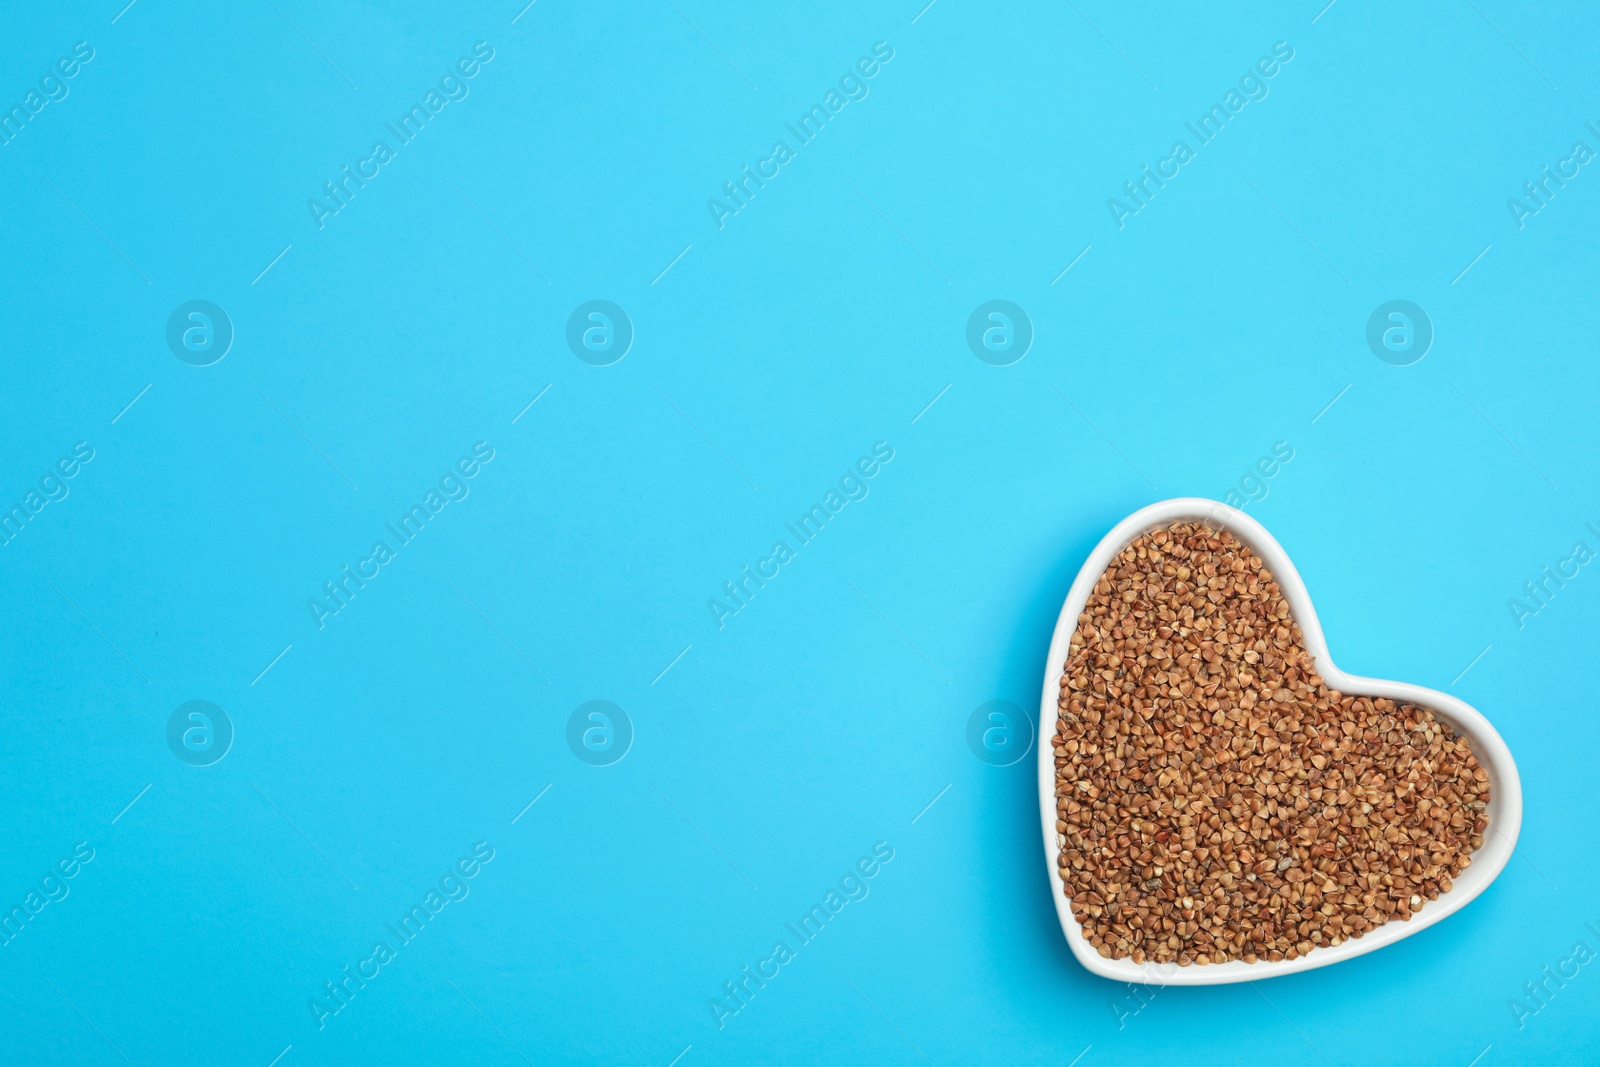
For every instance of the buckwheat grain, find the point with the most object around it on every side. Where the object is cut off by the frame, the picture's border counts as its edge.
(1215, 800)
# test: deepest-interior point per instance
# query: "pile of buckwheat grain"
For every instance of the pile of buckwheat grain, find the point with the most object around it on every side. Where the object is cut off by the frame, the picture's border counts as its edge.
(1215, 800)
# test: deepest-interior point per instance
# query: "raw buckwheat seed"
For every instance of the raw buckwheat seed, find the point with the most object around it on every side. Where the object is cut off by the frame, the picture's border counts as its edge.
(1215, 800)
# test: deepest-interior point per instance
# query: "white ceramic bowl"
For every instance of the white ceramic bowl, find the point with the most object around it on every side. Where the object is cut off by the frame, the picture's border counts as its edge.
(1505, 795)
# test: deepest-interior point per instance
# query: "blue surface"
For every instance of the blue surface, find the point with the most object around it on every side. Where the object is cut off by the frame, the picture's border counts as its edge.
(764, 754)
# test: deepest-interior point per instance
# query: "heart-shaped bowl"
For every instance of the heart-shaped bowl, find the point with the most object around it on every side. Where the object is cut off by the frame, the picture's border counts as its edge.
(1505, 788)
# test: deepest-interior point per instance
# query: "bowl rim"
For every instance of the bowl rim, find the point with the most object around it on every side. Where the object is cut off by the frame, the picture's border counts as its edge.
(1505, 804)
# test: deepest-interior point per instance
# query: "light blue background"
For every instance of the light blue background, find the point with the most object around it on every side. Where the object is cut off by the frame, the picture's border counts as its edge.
(824, 317)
